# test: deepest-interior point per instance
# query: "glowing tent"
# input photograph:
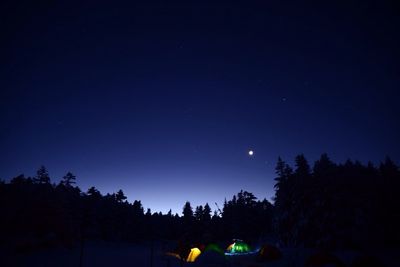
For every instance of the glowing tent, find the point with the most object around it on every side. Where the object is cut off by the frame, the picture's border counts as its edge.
(214, 247)
(194, 253)
(268, 252)
(238, 247)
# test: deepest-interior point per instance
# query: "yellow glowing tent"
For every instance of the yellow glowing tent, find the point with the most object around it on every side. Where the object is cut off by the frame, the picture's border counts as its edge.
(194, 253)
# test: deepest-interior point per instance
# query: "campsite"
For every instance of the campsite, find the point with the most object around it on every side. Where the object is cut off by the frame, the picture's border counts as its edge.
(91, 229)
(103, 254)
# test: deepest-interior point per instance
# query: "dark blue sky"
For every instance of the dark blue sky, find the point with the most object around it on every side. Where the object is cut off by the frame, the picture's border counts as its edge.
(164, 100)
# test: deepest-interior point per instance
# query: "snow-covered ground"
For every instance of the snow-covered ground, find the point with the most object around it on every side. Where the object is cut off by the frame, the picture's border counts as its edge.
(94, 254)
(98, 254)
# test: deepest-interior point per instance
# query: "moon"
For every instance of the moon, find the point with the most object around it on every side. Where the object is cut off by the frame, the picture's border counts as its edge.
(251, 152)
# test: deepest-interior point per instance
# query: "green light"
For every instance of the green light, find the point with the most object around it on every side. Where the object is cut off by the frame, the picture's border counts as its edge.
(239, 247)
(214, 247)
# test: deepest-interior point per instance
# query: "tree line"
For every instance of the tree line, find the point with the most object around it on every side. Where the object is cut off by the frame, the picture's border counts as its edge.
(337, 205)
(327, 205)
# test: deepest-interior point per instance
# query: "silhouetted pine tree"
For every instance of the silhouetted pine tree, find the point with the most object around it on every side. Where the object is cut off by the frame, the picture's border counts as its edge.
(69, 179)
(207, 213)
(283, 201)
(198, 213)
(120, 196)
(187, 215)
(42, 176)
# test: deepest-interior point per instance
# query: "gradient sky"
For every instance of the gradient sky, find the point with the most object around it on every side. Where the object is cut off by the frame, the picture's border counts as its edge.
(164, 100)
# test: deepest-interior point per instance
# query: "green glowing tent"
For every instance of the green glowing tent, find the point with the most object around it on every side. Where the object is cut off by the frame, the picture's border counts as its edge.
(214, 247)
(238, 247)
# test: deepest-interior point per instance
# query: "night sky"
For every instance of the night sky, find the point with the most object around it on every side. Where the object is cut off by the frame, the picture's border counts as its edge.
(165, 100)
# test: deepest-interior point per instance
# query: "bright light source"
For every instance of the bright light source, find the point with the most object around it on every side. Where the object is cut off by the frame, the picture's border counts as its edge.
(194, 253)
(251, 152)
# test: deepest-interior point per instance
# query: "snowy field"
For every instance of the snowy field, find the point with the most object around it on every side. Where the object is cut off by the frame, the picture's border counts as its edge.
(98, 254)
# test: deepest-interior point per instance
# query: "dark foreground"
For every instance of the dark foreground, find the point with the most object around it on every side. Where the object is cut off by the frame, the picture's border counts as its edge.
(154, 255)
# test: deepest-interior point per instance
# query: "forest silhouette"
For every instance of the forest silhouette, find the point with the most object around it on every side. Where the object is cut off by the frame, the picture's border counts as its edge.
(326, 205)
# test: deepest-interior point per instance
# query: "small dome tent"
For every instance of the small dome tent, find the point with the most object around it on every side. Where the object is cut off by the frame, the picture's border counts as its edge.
(214, 247)
(268, 252)
(189, 257)
(237, 247)
(186, 252)
(193, 254)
